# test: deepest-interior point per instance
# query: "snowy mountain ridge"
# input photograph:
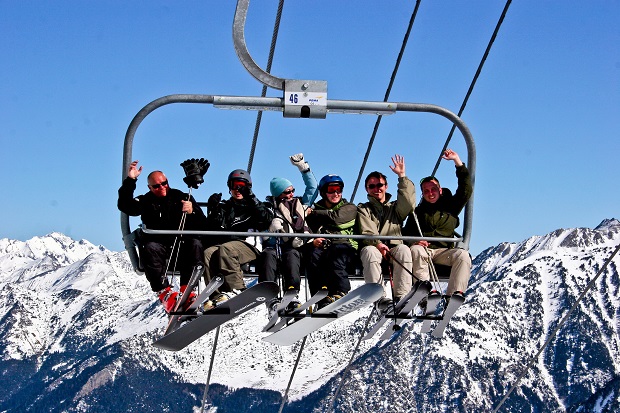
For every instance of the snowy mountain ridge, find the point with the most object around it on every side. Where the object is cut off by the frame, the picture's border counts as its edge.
(77, 325)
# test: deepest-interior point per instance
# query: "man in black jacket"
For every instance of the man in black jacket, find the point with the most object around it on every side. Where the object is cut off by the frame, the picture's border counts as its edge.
(163, 208)
(243, 212)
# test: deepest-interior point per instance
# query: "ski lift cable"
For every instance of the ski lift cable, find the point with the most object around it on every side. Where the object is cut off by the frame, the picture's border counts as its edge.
(557, 328)
(205, 396)
(259, 116)
(473, 82)
(350, 363)
(290, 380)
(386, 97)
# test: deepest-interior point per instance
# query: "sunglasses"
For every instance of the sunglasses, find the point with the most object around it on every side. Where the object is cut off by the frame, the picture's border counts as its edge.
(157, 186)
(373, 186)
(289, 191)
(335, 189)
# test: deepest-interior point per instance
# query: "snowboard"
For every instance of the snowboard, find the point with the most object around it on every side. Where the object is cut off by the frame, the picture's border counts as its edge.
(359, 298)
(211, 319)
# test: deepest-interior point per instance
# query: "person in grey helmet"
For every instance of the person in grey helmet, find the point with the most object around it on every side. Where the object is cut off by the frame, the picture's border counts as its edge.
(242, 212)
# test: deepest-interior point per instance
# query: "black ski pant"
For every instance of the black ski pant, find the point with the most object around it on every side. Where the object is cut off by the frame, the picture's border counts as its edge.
(154, 255)
(290, 266)
(330, 267)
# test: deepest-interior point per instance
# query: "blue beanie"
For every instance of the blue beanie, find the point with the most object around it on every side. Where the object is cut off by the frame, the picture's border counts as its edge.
(278, 185)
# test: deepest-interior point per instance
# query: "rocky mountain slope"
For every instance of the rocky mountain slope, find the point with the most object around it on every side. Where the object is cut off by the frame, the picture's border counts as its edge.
(76, 327)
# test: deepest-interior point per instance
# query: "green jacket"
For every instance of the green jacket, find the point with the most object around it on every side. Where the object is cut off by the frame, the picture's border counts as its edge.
(340, 219)
(375, 218)
(442, 218)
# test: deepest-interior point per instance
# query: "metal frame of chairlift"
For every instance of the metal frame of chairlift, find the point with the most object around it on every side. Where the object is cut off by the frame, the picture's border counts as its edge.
(301, 99)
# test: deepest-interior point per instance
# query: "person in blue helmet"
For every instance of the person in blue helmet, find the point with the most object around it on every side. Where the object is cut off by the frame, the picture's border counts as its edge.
(330, 261)
(225, 255)
(290, 213)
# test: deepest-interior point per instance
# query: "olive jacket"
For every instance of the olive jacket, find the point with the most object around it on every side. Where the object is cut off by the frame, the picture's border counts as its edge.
(375, 218)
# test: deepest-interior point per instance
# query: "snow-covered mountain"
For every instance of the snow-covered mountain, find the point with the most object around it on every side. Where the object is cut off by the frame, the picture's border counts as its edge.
(76, 327)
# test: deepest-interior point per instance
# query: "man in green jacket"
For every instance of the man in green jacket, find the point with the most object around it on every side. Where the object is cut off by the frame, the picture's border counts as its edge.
(382, 216)
(438, 216)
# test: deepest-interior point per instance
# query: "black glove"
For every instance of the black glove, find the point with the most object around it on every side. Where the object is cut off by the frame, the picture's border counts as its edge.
(194, 170)
(247, 193)
(204, 165)
(214, 201)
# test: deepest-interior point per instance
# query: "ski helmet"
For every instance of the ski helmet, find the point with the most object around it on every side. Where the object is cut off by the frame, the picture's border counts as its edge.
(239, 175)
(330, 179)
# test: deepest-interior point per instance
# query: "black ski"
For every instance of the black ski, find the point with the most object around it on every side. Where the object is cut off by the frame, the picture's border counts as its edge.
(421, 291)
(194, 279)
(225, 311)
(434, 298)
(387, 315)
(289, 295)
(287, 315)
(453, 305)
(176, 319)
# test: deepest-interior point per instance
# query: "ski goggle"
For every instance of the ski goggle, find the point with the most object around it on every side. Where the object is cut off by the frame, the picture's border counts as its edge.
(237, 185)
(157, 186)
(334, 189)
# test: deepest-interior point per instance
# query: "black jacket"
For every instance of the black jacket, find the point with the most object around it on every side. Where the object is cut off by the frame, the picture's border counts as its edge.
(159, 212)
(239, 216)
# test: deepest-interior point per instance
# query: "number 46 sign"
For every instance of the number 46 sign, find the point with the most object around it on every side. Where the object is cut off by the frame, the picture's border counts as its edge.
(307, 98)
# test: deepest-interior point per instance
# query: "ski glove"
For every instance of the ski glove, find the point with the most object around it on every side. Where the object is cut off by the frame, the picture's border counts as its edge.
(194, 171)
(299, 162)
(277, 225)
(247, 193)
(214, 201)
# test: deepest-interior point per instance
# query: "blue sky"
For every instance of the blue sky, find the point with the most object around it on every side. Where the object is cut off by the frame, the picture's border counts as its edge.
(544, 113)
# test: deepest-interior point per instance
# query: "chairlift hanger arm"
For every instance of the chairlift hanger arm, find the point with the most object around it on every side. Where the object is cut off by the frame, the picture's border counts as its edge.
(243, 54)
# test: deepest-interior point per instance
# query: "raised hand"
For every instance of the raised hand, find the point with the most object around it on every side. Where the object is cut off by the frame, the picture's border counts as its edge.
(399, 165)
(450, 155)
(134, 172)
(299, 162)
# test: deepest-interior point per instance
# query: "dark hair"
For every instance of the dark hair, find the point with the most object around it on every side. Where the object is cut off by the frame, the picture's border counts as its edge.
(429, 179)
(376, 174)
